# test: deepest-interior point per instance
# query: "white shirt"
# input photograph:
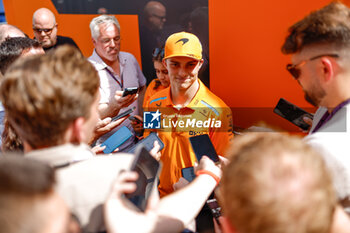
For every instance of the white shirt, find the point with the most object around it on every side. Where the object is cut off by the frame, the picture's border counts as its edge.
(131, 75)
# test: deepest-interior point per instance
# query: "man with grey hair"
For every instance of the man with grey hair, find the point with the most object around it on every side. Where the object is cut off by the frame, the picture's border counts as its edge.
(45, 30)
(117, 70)
(7, 30)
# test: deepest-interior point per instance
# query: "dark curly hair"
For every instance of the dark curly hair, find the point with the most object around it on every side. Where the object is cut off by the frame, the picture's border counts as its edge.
(330, 24)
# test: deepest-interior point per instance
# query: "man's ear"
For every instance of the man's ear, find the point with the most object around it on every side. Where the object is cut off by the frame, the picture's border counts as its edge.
(26, 146)
(328, 69)
(93, 41)
(226, 225)
(341, 221)
(78, 134)
(198, 67)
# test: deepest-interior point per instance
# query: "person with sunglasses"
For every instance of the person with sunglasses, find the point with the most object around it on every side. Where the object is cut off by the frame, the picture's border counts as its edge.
(45, 30)
(151, 27)
(320, 49)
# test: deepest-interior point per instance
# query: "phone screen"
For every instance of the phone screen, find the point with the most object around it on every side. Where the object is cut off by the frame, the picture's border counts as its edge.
(130, 91)
(292, 113)
(188, 173)
(148, 169)
(202, 145)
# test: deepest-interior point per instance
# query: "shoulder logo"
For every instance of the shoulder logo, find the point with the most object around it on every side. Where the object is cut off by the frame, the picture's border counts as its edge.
(183, 40)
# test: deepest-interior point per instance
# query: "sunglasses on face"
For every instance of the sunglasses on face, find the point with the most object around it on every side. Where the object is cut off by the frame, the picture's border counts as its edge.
(158, 52)
(46, 30)
(295, 71)
(159, 17)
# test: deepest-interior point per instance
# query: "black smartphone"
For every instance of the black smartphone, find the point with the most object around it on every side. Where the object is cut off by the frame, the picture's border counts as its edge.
(202, 145)
(133, 118)
(148, 143)
(123, 114)
(130, 91)
(148, 169)
(292, 113)
(215, 209)
(188, 173)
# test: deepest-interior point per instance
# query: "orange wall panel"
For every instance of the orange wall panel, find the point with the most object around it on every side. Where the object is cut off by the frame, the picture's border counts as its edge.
(247, 68)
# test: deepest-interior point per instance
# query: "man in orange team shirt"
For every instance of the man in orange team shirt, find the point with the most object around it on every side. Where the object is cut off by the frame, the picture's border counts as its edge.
(186, 108)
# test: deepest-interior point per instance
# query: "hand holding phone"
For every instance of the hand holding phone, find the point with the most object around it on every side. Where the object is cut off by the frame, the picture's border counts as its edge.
(123, 114)
(130, 91)
(148, 143)
(136, 119)
(293, 113)
(119, 101)
(148, 170)
(116, 140)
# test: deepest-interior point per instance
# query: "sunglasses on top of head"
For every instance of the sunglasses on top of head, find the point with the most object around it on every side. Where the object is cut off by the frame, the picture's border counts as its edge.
(158, 52)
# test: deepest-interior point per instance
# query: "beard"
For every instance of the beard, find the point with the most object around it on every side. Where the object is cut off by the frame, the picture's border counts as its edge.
(315, 96)
(310, 100)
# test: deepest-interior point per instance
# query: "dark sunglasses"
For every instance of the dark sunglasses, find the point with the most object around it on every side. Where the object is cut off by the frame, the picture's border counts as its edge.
(158, 52)
(46, 30)
(159, 17)
(295, 71)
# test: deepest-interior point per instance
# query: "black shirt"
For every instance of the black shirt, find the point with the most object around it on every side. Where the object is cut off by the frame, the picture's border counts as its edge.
(61, 40)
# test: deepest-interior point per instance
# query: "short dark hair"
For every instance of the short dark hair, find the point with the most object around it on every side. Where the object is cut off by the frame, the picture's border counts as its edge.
(12, 48)
(330, 24)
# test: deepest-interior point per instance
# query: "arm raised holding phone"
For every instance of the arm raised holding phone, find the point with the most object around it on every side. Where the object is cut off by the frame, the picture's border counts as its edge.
(118, 102)
(171, 213)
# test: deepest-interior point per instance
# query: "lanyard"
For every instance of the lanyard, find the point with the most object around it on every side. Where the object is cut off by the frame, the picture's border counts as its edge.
(121, 84)
(327, 116)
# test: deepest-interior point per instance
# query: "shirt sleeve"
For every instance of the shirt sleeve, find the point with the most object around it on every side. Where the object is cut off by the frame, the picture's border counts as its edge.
(140, 76)
(223, 136)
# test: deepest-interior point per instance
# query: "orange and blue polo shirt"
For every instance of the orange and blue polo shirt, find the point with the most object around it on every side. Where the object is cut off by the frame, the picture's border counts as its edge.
(205, 114)
(150, 91)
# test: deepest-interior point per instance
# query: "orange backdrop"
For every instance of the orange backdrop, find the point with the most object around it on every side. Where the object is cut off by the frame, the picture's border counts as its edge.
(247, 69)
(20, 12)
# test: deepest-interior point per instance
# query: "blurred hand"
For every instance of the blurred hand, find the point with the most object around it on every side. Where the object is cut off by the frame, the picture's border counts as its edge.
(308, 121)
(155, 151)
(104, 126)
(223, 161)
(98, 149)
(207, 164)
(138, 126)
(118, 214)
(120, 102)
(180, 184)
